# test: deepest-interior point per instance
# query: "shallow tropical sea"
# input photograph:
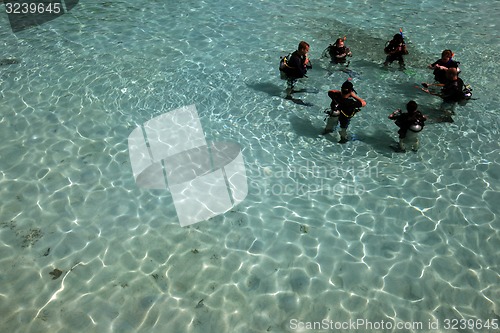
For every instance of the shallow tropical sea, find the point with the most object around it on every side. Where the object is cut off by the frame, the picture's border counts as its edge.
(330, 237)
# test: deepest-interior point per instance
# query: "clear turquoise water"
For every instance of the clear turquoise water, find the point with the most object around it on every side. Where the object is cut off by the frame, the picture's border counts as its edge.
(328, 232)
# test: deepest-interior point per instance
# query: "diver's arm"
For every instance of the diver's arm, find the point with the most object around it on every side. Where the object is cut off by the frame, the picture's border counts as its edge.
(359, 99)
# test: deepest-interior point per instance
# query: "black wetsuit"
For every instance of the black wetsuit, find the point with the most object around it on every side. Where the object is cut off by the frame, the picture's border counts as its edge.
(453, 91)
(338, 54)
(296, 68)
(395, 51)
(348, 106)
(439, 74)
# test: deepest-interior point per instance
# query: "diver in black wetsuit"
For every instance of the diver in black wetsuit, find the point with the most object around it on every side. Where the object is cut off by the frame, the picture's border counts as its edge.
(296, 67)
(453, 89)
(338, 52)
(410, 124)
(441, 65)
(453, 92)
(345, 104)
(395, 50)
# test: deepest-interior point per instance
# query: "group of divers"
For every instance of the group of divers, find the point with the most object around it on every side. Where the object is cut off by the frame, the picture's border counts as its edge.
(346, 103)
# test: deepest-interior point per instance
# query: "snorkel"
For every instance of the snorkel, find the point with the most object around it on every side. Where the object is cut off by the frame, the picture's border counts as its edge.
(402, 35)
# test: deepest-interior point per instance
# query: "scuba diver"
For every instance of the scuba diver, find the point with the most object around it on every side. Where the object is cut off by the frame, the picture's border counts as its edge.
(441, 65)
(395, 50)
(345, 104)
(294, 67)
(453, 92)
(338, 52)
(410, 124)
(453, 89)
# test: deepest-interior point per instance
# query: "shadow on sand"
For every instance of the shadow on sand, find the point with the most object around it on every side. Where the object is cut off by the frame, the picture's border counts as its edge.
(276, 91)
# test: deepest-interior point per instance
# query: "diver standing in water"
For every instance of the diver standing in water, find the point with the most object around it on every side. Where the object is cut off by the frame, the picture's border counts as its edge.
(338, 52)
(410, 124)
(345, 104)
(395, 50)
(295, 67)
(454, 92)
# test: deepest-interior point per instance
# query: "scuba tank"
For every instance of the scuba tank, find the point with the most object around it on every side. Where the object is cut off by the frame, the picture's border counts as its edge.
(467, 91)
(415, 127)
(284, 66)
(467, 95)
